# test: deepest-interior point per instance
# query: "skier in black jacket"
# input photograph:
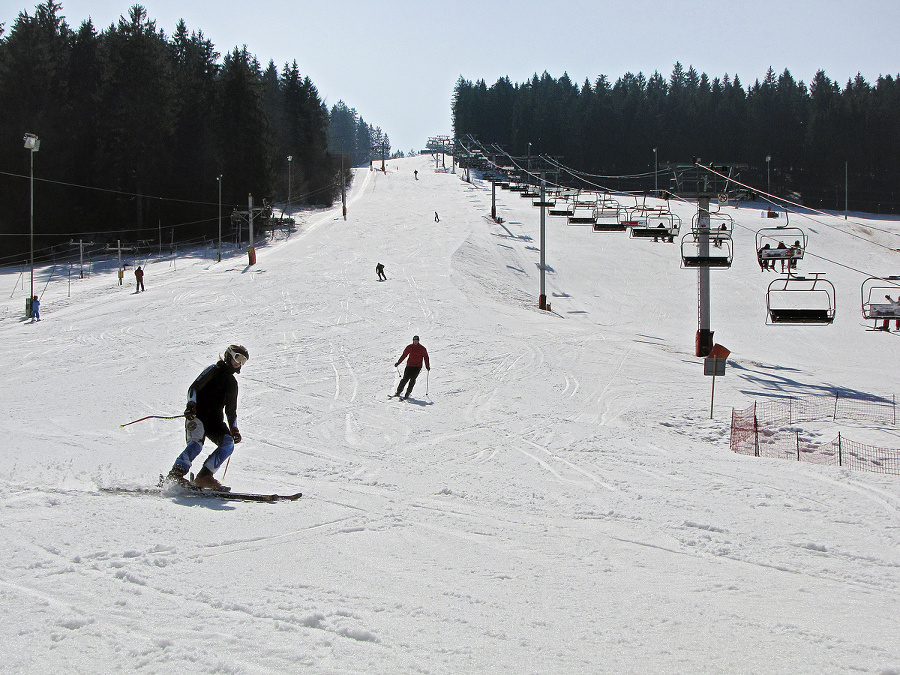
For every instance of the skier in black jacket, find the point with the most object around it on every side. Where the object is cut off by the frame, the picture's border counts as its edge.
(214, 391)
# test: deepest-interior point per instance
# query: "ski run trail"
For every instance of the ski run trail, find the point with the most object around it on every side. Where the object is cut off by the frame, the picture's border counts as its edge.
(555, 497)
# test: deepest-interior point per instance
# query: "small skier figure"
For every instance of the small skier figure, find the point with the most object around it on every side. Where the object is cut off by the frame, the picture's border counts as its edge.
(417, 356)
(416, 174)
(379, 270)
(139, 276)
(214, 391)
(764, 262)
(780, 247)
(896, 308)
(35, 309)
(436, 219)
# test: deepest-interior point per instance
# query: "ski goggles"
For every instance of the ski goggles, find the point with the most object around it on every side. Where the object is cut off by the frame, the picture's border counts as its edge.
(239, 358)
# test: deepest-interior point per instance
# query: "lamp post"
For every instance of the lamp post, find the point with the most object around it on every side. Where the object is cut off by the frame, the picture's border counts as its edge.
(32, 143)
(290, 161)
(655, 172)
(219, 179)
(768, 174)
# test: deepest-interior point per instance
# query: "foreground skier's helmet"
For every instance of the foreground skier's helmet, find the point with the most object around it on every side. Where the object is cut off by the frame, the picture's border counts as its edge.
(416, 338)
(238, 354)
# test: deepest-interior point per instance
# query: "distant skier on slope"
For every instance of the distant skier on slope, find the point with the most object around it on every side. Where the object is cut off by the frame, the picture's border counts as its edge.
(379, 271)
(417, 356)
(214, 391)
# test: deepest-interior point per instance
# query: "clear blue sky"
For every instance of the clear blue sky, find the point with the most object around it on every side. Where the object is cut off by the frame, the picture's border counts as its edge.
(397, 61)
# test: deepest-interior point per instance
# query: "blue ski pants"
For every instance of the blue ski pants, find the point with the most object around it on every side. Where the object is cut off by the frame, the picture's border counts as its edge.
(195, 437)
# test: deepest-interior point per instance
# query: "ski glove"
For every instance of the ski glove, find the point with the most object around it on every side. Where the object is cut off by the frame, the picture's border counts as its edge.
(235, 434)
(190, 412)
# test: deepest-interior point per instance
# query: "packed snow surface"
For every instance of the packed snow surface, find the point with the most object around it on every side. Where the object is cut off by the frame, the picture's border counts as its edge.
(558, 496)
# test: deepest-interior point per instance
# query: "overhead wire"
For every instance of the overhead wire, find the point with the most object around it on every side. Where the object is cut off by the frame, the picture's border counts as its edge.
(770, 198)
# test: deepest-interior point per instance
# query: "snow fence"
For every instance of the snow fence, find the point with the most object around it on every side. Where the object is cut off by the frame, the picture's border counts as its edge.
(763, 430)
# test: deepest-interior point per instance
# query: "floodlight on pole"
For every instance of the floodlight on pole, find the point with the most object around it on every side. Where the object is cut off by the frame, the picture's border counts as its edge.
(32, 143)
(656, 172)
(290, 162)
(768, 174)
(219, 179)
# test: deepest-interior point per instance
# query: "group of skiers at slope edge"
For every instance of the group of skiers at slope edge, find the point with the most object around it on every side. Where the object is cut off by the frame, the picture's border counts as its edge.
(211, 412)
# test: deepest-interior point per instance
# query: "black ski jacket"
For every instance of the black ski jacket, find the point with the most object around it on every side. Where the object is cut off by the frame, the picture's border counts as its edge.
(215, 390)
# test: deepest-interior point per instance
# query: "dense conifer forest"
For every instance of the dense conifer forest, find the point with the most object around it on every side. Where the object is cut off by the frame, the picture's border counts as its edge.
(813, 134)
(136, 126)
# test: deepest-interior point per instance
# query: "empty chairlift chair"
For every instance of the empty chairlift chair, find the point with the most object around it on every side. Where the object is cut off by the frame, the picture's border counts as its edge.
(609, 217)
(800, 300)
(582, 213)
(708, 246)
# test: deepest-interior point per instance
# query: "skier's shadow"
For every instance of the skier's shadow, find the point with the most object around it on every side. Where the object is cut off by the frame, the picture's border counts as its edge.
(416, 401)
(211, 504)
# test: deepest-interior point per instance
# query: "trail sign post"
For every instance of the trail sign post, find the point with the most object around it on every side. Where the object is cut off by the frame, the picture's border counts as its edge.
(714, 365)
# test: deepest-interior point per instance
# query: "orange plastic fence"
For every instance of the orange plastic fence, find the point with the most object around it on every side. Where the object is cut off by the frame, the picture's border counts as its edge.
(759, 431)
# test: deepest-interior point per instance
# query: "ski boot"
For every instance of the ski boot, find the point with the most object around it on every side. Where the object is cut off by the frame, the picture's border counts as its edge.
(207, 481)
(176, 476)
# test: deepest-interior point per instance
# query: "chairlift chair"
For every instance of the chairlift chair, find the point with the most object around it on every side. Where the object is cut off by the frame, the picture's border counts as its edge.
(877, 303)
(782, 243)
(564, 209)
(657, 224)
(709, 246)
(608, 217)
(582, 214)
(718, 253)
(806, 300)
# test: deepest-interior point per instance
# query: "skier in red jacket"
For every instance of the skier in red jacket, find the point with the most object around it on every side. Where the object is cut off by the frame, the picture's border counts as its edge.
(417, 356)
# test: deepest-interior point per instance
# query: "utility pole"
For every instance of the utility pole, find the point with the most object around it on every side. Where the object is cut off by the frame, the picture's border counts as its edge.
(34, 144)
(494, 200)
(846, 187)
(542, 301)
(290, 162)
(704, 333)
(251, 251)
(343, 191)
(655, 172)
(219, 256)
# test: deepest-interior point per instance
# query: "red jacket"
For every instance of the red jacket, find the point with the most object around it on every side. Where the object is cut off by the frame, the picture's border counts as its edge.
(417, 354)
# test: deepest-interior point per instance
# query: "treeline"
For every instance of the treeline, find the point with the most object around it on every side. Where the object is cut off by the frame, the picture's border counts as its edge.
(811, 133)
(350, 136)
(148, 122)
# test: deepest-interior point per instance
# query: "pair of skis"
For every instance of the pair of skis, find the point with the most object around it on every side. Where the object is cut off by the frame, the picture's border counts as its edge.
(170, 489)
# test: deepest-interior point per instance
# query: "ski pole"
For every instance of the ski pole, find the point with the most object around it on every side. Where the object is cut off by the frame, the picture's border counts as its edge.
(427, 373)
(153, 417)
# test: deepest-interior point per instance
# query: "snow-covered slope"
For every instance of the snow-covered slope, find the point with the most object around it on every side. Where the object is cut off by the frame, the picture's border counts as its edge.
(554, 499)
